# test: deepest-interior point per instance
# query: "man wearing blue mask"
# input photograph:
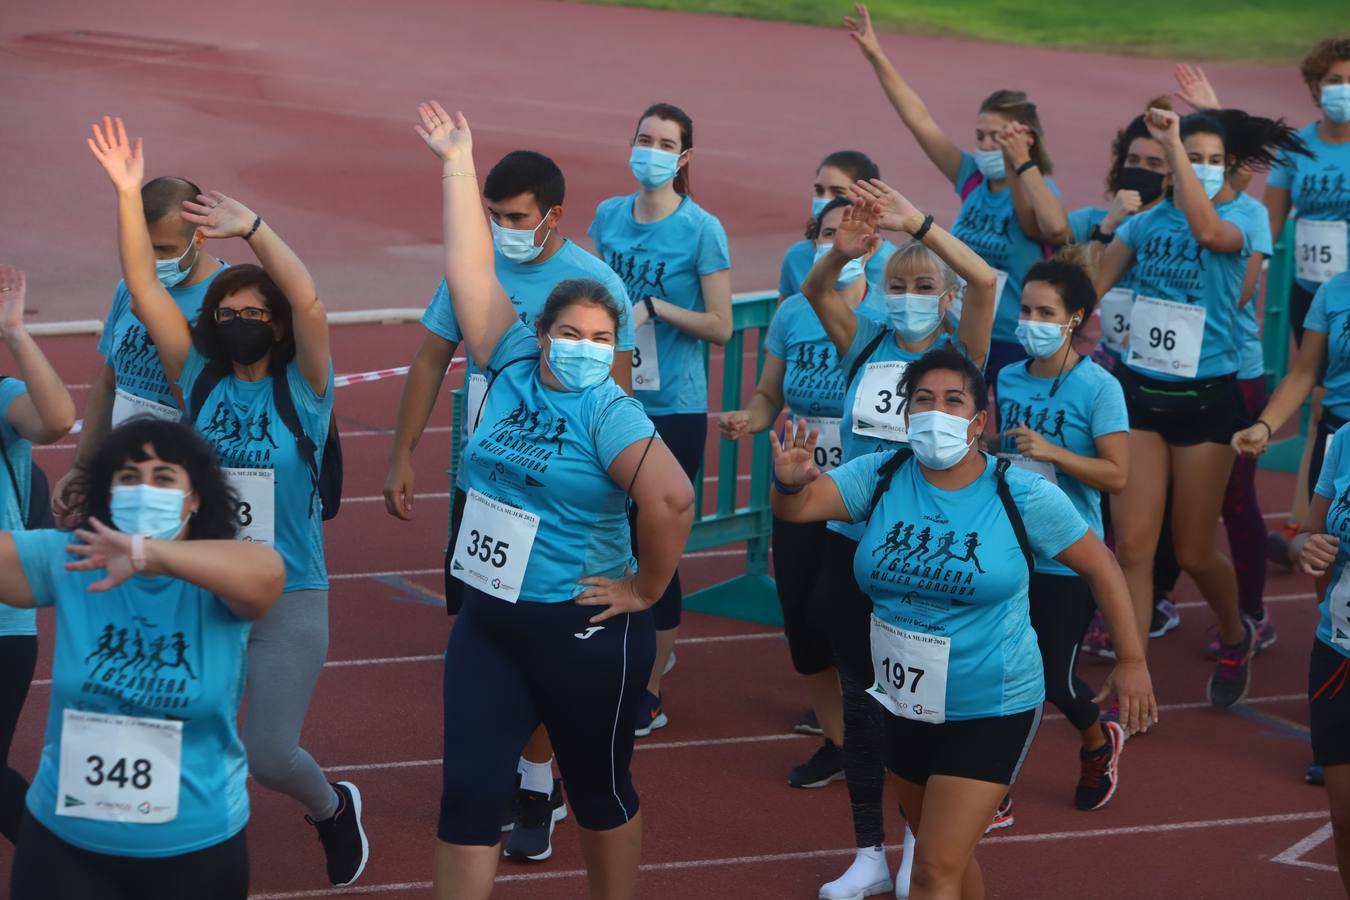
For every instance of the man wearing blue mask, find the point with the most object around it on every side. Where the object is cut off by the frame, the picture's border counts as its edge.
(524, 196)
(132, 381)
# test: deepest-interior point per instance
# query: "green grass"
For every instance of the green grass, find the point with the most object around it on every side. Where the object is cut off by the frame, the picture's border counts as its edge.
(1276, 31)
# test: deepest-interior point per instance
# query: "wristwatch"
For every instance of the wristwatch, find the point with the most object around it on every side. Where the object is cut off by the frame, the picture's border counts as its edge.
(1104, 237)
(651, 307)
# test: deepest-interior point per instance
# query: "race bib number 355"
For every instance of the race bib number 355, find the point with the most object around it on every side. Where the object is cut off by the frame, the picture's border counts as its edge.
(119, 768)
(493, 550)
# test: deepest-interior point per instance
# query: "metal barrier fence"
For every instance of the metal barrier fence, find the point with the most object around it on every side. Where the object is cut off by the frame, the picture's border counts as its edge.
(1284, 455)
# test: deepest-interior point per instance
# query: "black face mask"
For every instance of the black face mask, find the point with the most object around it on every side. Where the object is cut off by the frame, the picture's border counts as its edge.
(245, 341)
(1148, 183)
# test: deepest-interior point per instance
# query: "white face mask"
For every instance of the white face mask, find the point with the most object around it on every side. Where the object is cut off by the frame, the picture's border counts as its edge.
(517, 244)
(852, 271)
(939, 439)
(171, 272)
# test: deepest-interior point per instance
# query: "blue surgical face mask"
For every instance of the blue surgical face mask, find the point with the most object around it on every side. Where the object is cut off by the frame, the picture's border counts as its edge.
(817, 204)
(517, 244)
(1041, 339)
(653, 168)
(145, 509)
(914, 316)
(1211, 178)
(938, 439)
(991, 165)
(171, 271)
(1336, 102)
(852, 271)
(579, 364)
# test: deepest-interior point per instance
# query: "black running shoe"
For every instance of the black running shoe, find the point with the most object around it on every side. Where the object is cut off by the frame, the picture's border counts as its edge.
(1100, 770)
(536, 815)
(808, 724)
(824, 766)
(343, 838)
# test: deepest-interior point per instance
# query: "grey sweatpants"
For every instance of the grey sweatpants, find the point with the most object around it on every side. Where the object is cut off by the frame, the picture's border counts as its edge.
(286, 651)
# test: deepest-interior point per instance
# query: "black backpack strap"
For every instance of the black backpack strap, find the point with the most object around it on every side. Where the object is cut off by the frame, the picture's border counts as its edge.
(1014, 514)
(201, 389)
(285, 404)
(491, 379)
(865, 355)
(885, 474)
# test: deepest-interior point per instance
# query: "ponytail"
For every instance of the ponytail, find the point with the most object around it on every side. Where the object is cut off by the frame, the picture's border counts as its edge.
(1014, 105)
(1251, 142)
(1069, 273)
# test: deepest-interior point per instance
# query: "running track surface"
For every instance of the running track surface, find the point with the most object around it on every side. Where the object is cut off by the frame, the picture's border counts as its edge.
(304, 110)
(305, 114)
(1212, 805)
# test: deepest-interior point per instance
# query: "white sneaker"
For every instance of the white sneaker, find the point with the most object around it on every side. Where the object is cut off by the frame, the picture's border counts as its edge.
(867, 877)
(906, 867)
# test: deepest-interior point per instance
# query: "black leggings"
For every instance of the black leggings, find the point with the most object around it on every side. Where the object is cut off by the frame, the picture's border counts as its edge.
(454, 588)
(18, 659)
(797, 566)
(864, 734)
(1061, 609)
(47, 868)
(685, 434)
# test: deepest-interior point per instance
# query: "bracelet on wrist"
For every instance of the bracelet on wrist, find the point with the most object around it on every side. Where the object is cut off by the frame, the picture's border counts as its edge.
(781, 488)
(922, 231)
(458, 175)
(1100, 236)
(1024, 167)
(257, 223)
(651, 307)
(1270, 432)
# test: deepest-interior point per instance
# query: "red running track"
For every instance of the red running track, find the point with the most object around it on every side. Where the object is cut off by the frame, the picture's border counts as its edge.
(1206, 805)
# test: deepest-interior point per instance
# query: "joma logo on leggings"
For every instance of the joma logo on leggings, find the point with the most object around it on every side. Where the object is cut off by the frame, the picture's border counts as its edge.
(583, 635)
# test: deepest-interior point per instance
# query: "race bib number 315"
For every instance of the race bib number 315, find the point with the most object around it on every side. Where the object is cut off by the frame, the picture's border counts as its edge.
(119, 768)
(1319, 249)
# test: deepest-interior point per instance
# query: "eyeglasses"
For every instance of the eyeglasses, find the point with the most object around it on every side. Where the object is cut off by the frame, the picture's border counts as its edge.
(248, 314)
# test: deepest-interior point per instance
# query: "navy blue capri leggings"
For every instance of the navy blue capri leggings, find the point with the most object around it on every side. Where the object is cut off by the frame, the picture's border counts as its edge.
(686, 434)
(510, 667)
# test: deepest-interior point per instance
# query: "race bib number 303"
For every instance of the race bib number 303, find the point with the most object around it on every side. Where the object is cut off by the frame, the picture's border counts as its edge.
(829, 446)
(911, 672)
(119, 768)
(493, 550)
(1166, 336)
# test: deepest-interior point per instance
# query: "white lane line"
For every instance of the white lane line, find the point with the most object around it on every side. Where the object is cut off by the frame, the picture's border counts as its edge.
(1277, 598)
(762, 738)
(1293, 856)
(679, 865)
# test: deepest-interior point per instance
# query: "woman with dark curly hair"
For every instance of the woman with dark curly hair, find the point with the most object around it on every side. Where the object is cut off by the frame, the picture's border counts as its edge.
(257, 382)
(141, 788)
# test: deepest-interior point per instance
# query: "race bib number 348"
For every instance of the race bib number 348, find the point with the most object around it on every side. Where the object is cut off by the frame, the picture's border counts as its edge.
(119, 768)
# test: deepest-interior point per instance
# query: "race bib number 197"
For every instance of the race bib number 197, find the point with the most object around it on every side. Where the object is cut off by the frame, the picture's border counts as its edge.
(911, 672)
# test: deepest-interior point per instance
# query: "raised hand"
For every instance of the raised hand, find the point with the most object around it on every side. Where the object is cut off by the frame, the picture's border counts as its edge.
(219, 216)
(1015, 139)
(12, 289)
(447, 136)
(897, 213)
(860, 29)
(1195, 89)
(1123, 204)
(857, 233)
(1164, 126)
(121, 159)
(101, 547)
(794, 457)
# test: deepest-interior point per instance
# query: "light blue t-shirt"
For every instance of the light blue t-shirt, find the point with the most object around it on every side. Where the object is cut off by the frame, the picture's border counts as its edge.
(125, 345)
(1319, 187)
(1171, 265)
(1116, 320)
(665, 260)
(548, 452)
(1251, 356)
(1087, 404)
(240, 419)
(801, 256)
(1330, 314)
(856, 445)
(528, 285)
(155, 648)
(813, 382)
(1334, 484)
(14, 508)
(988, 224)
(948, 563)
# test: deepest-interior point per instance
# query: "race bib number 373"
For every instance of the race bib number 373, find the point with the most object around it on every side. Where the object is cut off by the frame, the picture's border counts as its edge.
(119, 768)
